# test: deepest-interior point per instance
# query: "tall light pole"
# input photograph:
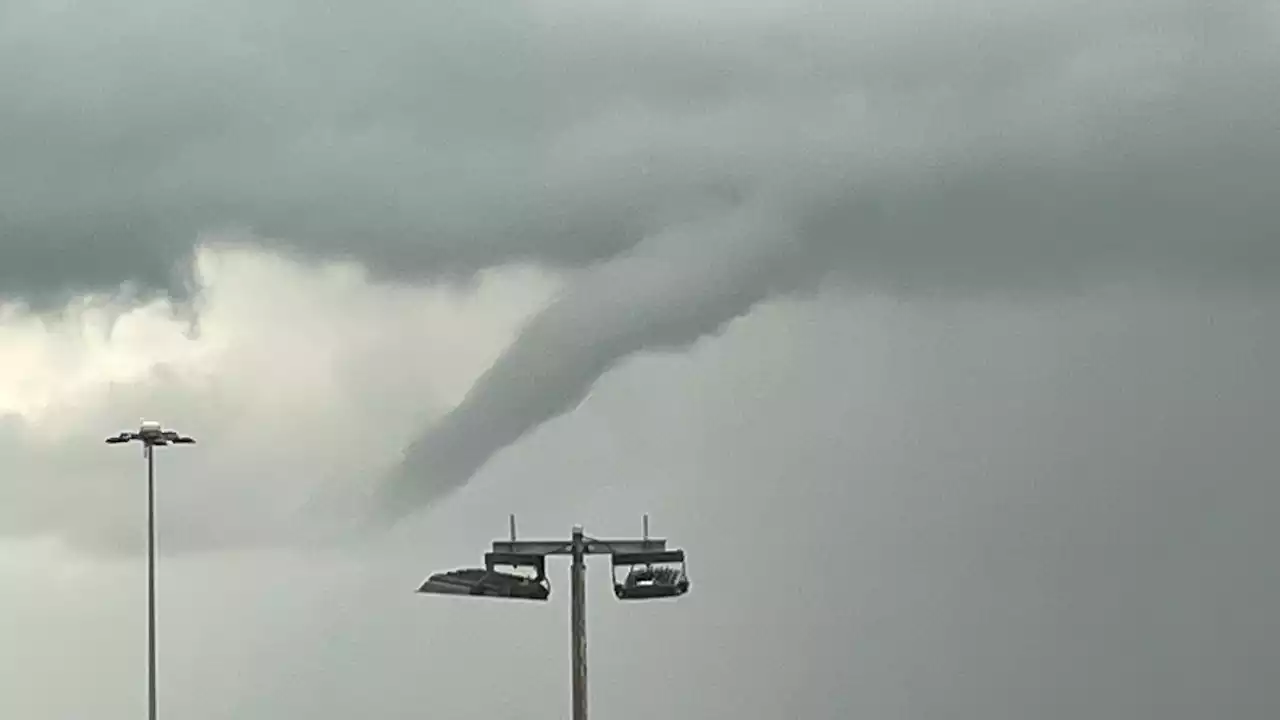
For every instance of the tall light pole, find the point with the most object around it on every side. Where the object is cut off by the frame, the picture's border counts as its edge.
(655, 572)
(152, 435)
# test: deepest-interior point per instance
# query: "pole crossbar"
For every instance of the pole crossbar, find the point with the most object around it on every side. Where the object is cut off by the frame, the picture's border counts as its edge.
(590, 546)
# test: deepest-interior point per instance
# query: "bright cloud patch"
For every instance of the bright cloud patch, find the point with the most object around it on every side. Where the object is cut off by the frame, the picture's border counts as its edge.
(280, 365)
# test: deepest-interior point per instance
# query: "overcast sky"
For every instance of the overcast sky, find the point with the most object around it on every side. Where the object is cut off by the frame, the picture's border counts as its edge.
(942, 336)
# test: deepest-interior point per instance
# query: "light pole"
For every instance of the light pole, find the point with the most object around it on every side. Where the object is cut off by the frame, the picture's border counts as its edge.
(655, 572)
(152, 435)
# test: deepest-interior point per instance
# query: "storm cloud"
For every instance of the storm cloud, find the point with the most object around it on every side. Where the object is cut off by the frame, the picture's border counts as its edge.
(678, 164)
(976, 142)
(982, 147)
(1140, 150)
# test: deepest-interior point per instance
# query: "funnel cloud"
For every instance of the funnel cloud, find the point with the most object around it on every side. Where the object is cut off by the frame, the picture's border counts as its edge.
(672, 290)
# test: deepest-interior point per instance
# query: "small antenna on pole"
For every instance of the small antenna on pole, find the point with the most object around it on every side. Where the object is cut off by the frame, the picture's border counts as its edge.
(646, 527)
(512, 522)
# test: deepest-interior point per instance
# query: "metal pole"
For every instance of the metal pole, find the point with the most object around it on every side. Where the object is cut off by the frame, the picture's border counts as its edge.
(578, 624)
(151, 581)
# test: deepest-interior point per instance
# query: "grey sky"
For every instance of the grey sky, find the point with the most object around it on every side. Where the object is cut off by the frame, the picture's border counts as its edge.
(970, 311)
(983, 511)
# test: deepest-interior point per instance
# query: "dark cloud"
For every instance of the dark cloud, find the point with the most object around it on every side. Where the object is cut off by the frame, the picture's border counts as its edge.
(432, 141)
(1167, 186)
(982, 147)
(710, 156)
